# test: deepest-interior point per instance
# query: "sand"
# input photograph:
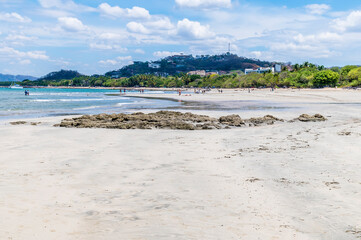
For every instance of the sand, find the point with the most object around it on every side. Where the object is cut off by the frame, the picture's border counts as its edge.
(285, 181)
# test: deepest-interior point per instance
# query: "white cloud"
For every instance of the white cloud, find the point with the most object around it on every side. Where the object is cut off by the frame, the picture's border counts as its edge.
(136, 27)
(303, 50)
(111, 36)
(71, 24)
(317, 38)
(163, 54)
(193, 30)
(15, 37)
(11, 52)
(159, 23)
(14, 17)
(125, 58)
(156, 26)
(139, 51)
(317, 8)
(55, 3)
(25, 62)
(118, 12)
(256, 54)
(103, 46)
(68, 5)
(204, 3)
(350, 23)
(108, 62)
(122, 60)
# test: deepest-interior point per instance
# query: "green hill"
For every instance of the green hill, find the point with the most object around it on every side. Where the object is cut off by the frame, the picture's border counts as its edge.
(60, 75)
(185, 63)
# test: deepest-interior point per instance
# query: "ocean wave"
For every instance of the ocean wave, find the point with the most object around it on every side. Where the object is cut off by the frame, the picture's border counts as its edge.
(133, 103)
(87, 108)
(43, 100)
(122, 104)
(75, 100)
(154, 92)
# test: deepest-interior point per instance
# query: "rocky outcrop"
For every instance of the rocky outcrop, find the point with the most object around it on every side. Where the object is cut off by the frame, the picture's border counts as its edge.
(232, 120)
(266, 120)
(310, 118)
(161, 120)
(167, 120)
(18, 123)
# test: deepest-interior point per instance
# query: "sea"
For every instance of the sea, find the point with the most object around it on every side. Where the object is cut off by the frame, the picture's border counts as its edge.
(46, 102)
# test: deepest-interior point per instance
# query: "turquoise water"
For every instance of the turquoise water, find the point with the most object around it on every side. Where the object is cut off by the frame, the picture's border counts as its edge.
(53, 102)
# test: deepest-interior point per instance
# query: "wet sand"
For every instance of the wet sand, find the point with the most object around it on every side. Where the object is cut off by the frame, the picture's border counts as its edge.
(285, 181)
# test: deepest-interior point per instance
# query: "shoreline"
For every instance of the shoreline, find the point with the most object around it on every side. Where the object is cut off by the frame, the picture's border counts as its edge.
(185, 88)
(235, 101)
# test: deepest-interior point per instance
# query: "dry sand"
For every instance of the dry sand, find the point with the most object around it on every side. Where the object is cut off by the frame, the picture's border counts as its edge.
(286, 181)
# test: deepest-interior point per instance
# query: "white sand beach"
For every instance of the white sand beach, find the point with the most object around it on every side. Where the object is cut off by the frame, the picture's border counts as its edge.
(285, 181)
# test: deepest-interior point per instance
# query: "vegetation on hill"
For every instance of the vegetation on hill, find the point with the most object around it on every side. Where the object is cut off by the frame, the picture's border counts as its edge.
(60, 75)
(186, 63)
(302, 76)
(59, 78)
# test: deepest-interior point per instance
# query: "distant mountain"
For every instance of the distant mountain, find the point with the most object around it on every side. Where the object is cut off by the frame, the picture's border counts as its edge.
(61, 75)
(186, 63)
(15, 78)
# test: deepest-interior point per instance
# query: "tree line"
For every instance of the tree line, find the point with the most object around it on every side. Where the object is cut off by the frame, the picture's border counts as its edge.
(302, 76)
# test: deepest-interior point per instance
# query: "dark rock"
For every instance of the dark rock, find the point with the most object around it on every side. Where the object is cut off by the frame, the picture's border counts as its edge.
(232, 120)
(161, 120)
(18, 123)
(266, 120)
(310, 118)
(168, 120)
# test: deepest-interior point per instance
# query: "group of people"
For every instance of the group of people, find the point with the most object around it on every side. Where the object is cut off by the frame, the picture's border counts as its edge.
(27, 93)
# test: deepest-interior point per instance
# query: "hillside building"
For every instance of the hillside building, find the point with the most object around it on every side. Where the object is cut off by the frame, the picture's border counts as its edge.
(278, 68)
(259, 70)
(154, 65)
(201, 73)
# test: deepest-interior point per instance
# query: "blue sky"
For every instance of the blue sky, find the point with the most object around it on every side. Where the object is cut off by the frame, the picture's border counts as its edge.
(40, 36)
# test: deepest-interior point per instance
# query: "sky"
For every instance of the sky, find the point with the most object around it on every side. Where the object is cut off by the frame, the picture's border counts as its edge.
(96, 36)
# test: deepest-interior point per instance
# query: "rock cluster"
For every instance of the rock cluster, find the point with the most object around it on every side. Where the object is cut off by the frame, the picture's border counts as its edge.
(23, 123)
(310, 118)
(18, 123)
(161, 119)
(266, 120)
(166, 120)
(232, 120)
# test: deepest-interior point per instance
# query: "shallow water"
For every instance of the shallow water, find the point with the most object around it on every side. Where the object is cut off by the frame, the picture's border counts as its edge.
(44, 102)
(49, 102)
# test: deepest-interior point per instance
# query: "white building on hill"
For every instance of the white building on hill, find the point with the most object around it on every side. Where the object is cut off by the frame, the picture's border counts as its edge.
(201, 73)
(154, 65)
(259, 70)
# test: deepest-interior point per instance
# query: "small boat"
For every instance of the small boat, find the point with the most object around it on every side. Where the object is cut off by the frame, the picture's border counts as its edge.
(15, 86)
